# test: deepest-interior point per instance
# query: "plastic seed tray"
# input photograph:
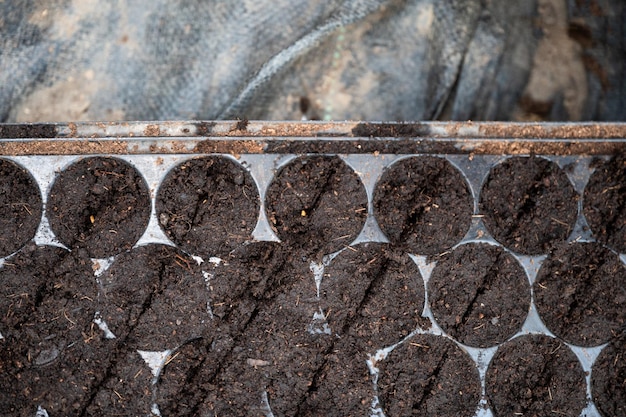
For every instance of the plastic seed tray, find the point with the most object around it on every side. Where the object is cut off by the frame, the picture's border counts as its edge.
(304, 269)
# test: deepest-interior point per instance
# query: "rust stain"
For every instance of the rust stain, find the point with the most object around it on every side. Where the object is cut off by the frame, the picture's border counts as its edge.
(61, 147)
(152, 130)
(234, 147)
(73, 129)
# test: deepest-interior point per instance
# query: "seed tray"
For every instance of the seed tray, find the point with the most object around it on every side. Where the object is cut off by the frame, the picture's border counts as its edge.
(459, 251)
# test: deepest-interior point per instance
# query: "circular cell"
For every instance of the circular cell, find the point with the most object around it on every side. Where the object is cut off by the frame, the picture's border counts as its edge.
(51, 347)
(535, 375)
(317, 203)
(479, 294)
(343, 385)
(604, 203)
(155, 297)
(185, 379)
(127, 389)
(100, 204)
(423, 205)
(580, 293)
(428, 376)
(20, 207)
(608, 378)
(528, 204)
(208, 205)
(374, 295)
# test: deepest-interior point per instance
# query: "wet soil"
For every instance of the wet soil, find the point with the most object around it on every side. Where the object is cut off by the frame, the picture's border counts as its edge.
(210, 196)
(429, 376)
(528, 204)
(100, 204)
(20, 207)
(604, 203)
(535, 376)
(423, 205)
(479, 294)
(254, 325)
(51, 350)
(607, 379)
(580, 293)
(317, 204)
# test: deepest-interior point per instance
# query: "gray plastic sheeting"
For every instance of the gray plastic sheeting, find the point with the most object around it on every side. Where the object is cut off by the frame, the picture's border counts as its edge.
(289, 59)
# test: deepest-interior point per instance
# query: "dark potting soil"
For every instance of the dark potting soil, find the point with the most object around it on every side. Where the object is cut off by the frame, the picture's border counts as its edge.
(252, 328)
(371, 297)
(154, 298)
(317, 204)
(208, 205)
(580, 293)
(528, 204)
(127, 389)
(100, 204)
(604, 203)
(20, 207)
(608, 379)
(51, 349)
(479, 294)
(423, 205)
(535, 376)
(428, 376)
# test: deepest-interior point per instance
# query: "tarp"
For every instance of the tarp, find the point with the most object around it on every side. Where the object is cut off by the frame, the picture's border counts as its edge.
(71, 60)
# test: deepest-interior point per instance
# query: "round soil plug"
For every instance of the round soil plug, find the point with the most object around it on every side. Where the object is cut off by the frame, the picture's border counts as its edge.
(423, 205)
(127, 390)
(428, 376)
(317, 204)
(604, 203)
(51, 353)
(479, 294)
(529, 204)
(535, 376)
(580, 293)
(208, 205)
(100, 204)
(155, 298)
(608, 379)
(20, 207)
(374, 295)
(343, 386)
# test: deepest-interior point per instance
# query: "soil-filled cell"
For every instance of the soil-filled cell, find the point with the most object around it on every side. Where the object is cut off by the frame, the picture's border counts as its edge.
(51, 348)
(604, 203)
(154, 298)
(428, 376)
(479, 294)
(535, 376)
(528, 204)
(317, 203)
(100, 204)
(184, 380)
(208, 205)
(423, 205)
(343, 386)
(373, 294)
(261, 301)
(608, 379)
(20, 207)
(580, 293)
(127, 389)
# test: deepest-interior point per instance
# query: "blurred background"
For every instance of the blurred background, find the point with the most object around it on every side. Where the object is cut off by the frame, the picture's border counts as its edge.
(524, 60)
